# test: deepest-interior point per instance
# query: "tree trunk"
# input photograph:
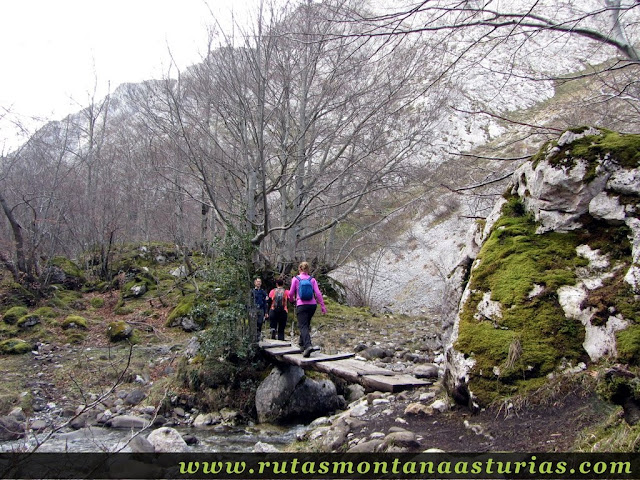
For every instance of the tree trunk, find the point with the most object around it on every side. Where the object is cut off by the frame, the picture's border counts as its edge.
(21, 270)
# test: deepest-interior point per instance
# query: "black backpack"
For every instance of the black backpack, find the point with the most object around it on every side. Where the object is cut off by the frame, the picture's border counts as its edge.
(279, 300)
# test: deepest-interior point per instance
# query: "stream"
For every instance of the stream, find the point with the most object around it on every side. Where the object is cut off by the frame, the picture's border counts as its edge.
(98, 439)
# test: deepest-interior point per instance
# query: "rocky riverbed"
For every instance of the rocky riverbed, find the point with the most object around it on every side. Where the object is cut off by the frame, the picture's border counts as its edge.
(73, 406)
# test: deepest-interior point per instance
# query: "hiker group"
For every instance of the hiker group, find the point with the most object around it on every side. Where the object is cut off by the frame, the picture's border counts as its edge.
(303, 292)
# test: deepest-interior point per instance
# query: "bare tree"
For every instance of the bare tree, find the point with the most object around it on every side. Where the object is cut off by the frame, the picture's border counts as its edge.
(287, 133)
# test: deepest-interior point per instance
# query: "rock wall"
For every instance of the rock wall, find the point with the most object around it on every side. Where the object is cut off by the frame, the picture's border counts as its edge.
(556, 281)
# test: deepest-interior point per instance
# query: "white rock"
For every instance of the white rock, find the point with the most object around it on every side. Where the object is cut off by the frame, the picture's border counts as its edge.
(359, 410)
(488, 309)
(535, 291)
(167, 440)
(440, 406)
(606, 207)
(625, 181)
(596, 259)
(599, 340)
(262, 447)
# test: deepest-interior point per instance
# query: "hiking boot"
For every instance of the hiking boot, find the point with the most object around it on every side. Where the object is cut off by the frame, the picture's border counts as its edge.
(307, 352)
(273, 334)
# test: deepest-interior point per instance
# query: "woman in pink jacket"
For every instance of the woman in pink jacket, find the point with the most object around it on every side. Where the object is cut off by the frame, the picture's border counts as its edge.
(305, 292)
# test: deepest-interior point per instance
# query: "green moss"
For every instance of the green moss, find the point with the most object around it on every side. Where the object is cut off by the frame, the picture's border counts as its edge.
(533, 334)
(514, 258)
(64, 299)
(623, 149)
(74, 321)
(7, 331)
(12, 315)
(75, 337)
(97, 302)
(12, 294)
(46, 312)
(120, 330)
(14, 346)
(28, 320)
(628, 344)
(183, 309)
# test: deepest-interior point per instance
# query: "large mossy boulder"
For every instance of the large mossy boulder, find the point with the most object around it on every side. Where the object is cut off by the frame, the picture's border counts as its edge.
(556, 281)
(62, 271)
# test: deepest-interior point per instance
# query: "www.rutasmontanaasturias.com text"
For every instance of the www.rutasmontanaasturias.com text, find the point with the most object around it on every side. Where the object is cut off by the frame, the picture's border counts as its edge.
(405, 468)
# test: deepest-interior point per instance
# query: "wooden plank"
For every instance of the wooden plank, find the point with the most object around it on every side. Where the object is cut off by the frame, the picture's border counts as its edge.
(392, 384)
(345, 366)
(279, 351)
(267, 344)
(326, 358)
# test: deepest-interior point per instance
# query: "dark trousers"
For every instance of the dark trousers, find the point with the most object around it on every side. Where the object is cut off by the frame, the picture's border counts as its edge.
(304, 314)
(259, 322)
(278, 323)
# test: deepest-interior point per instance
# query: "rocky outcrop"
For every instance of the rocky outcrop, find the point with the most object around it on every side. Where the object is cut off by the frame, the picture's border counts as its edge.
(558, 273)
(286, 395)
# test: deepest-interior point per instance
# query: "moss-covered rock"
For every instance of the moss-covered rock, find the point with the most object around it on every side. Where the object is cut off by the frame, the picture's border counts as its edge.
(14, 346)
(28, 321)
(62, 271)
(526, 338)
(118, 331)
(74, 321)
(12, 294)
(45, 312)
(182, 310)
(64, 299)
(14, 314)
(553, 283)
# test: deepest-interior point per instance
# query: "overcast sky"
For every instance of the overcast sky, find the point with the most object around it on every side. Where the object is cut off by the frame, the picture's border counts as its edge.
(54, 51)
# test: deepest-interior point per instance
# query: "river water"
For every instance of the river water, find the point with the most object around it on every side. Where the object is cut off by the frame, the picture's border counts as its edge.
(97, 439)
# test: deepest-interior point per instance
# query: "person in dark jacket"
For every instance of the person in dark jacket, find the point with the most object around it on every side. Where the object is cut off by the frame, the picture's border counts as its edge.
(260, 305)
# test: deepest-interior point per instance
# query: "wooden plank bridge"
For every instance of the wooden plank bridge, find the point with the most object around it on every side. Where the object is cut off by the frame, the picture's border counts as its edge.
(342, 365)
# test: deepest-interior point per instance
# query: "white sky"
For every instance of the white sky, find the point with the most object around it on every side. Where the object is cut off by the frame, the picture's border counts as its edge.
(53, 52)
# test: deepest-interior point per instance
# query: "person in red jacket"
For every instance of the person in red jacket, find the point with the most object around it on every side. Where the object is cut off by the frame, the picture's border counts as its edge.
(278, 311)
(307, 298)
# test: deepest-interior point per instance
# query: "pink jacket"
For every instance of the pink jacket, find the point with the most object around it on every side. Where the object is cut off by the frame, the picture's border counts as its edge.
(293, 290)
